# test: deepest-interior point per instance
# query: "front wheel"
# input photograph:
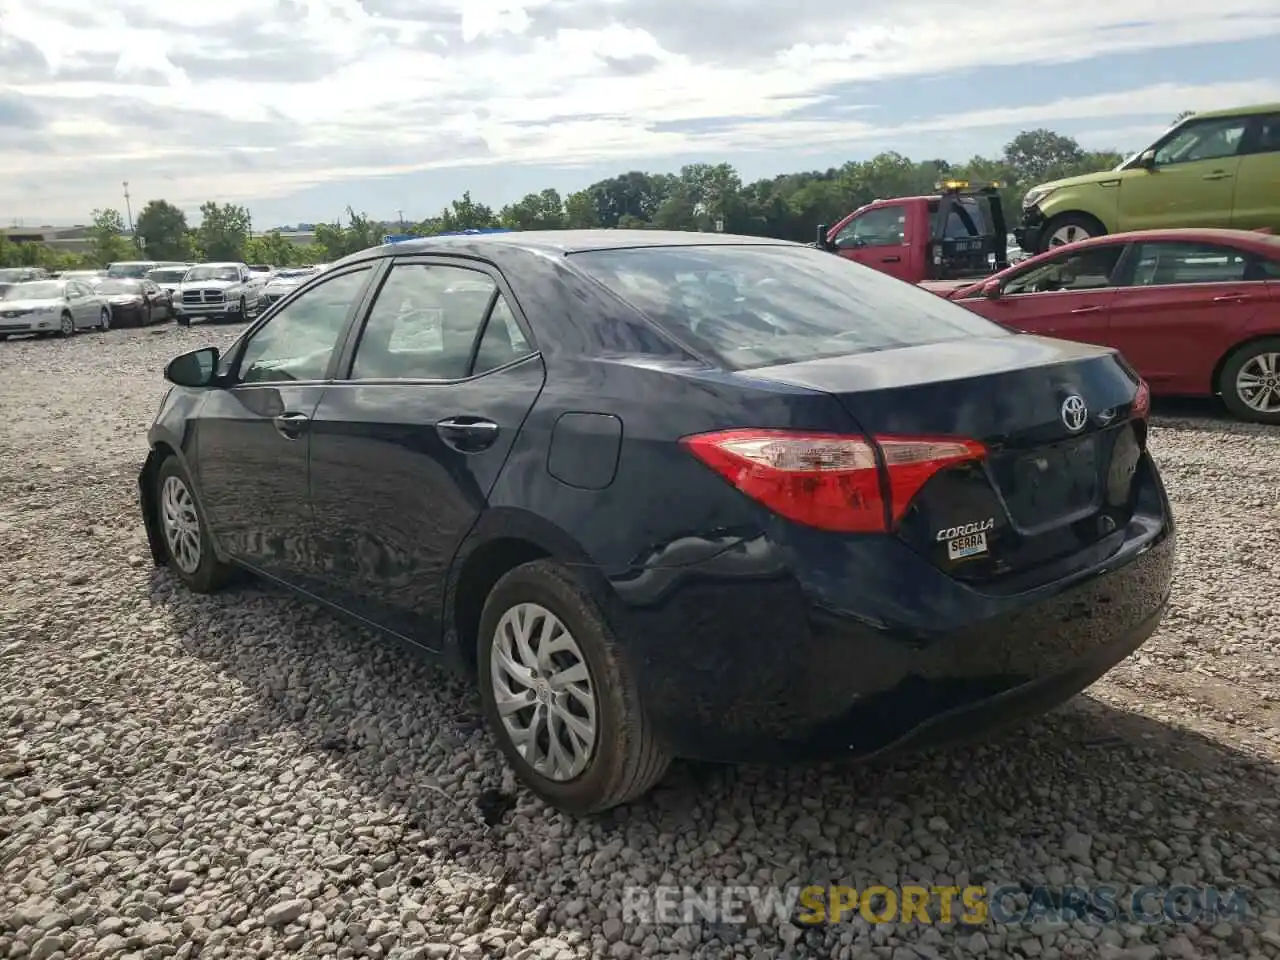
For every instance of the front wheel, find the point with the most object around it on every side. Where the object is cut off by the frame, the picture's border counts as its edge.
(146, 315)
(67, 326)
(559, 696)
(1069, 228)
(104, 319)
(186, 535)
(1250, 381)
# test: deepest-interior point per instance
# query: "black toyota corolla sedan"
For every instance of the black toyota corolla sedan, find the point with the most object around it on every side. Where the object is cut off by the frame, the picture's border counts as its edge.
(676, 495)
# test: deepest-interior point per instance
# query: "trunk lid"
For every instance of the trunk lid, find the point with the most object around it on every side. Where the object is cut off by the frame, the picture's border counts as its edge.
(1054, 416)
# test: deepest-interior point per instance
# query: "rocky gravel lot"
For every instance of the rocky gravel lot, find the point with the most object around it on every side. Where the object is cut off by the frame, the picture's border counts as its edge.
(245, 776)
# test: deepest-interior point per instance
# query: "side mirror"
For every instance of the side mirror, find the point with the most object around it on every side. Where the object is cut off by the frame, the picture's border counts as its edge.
(1148, 160)
(992, 289)
(195, 369)
(823, 243)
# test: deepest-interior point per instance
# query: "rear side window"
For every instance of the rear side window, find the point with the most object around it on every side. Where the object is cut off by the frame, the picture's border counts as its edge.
(1161, 264)
(755, 306)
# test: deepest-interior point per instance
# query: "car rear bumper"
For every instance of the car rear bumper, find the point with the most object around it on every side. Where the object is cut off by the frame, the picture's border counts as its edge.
(753, 655)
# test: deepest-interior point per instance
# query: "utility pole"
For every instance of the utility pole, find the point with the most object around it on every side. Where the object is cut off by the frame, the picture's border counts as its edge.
(400, 214)
(128, 209)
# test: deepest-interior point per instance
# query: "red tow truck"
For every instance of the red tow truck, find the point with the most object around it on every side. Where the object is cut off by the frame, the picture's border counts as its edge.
(957, 235)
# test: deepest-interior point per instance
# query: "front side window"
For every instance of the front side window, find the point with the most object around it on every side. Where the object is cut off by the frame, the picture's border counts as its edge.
(1161, 264)
(1203, 140)
(748, 306)
(298, 342)
(424, 323)
(880, 227)
(1089, 269)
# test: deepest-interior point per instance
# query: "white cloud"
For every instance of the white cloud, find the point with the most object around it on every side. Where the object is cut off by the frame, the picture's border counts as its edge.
(319, 91)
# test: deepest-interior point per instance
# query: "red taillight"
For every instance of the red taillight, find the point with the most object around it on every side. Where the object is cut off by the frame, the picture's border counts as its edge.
(1141, 408)
(829, 480)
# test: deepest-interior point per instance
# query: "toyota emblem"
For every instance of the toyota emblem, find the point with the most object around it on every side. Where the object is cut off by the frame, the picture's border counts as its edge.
(1075, 414)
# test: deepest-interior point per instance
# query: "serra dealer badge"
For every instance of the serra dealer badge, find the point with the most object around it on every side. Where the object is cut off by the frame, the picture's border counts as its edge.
(967, 540)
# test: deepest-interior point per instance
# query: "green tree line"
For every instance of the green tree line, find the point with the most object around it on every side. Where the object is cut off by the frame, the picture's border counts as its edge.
(701, 196)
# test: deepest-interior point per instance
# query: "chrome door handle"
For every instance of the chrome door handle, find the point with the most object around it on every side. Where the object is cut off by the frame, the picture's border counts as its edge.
(1086, 310)
(291, 425)
(1217, 175)
(1232, 298)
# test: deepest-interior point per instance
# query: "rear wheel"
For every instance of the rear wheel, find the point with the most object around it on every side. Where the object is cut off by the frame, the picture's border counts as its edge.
(1250, 381)
(559, 696)
(1069, 228)
(186, 535)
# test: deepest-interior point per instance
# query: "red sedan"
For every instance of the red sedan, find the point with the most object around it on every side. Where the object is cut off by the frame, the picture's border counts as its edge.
(1197, 312)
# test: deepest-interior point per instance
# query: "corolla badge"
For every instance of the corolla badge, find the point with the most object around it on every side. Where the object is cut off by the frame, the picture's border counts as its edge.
(1075, 413)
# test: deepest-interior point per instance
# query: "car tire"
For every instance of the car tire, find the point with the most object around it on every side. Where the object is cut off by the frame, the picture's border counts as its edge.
(243, 308)
(1257, 360)
(146, 316)
(183, 321)
(104, 319)
(188, 547)
(624, 759)
(1077, 226)
(67, 326)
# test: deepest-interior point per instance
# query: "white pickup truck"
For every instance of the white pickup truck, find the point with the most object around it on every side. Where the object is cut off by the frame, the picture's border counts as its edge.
(217, 291)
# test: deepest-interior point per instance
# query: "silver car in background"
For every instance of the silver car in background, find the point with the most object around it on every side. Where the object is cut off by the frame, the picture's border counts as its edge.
(46, 307)
(284, 282)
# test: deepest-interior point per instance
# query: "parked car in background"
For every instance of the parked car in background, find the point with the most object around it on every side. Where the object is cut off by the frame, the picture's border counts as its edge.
(284, 281)
(89, 275)
(135, 302)
(23, 274)
(169, 278)
(1216, 169)
(131, 269)
(45, 307)
(673, 494)
(1197, 312)
(959, 233)
(218, 292)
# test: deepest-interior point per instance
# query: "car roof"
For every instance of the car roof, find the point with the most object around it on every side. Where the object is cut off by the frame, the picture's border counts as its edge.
(561, 242)
(1237, 111)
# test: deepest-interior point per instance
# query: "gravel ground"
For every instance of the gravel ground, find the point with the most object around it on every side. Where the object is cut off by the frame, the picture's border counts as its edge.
(246, 776)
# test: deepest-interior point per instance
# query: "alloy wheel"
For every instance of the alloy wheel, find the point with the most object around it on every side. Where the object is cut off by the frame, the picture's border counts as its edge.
(181, 524)
(1068, 234)
(1258, 383)
(104, 320)
(68, 325)
(544, 692)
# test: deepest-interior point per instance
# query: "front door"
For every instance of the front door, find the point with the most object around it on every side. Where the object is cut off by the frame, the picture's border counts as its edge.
(1193, 181)
(1179, 309)
(1068, 295)
(877, 238)
(252, 438)
(405, 451)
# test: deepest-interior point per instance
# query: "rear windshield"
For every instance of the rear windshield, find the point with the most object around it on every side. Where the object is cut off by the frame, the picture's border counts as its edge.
(957, 227)
(755, 306)
(119, 271)
(117, 286)
(167, 275)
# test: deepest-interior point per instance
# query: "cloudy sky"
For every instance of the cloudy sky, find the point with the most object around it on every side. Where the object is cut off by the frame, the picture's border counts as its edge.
(298, 108)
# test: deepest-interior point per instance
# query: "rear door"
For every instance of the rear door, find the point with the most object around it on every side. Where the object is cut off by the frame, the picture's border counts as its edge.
(408, 443)
(1179, 308)
(878, 238)
(1257, 196)
(1193, 182)
(252, 439)
(1068, 295)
